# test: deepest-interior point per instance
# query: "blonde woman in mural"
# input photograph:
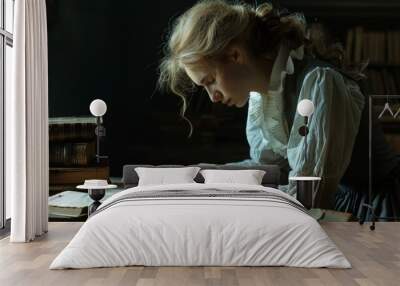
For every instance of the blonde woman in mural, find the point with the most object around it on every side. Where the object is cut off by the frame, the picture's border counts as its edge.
(269, 59)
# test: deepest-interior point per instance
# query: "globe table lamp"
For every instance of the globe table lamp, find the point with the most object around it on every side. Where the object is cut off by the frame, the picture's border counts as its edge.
(98, 108)
(305, 108)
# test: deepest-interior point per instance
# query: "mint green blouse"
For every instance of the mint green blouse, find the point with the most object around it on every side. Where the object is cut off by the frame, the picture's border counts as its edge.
(333, 126)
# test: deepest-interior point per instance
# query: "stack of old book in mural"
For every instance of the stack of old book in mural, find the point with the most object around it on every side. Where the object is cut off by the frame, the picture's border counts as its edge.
(72, 151)
(381, 47)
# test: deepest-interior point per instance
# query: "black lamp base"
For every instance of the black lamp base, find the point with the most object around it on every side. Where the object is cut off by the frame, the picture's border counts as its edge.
(96, 195)
(93, 207)
(305, 191)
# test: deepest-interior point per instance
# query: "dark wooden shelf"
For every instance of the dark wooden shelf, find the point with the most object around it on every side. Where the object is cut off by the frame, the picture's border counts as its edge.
(77, 175)
(342, 10)
(380, 66)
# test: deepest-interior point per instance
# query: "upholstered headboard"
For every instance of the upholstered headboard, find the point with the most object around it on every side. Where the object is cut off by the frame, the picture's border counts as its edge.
(271, 178)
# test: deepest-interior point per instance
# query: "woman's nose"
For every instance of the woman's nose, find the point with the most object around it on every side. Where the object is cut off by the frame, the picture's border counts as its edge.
(216, 96)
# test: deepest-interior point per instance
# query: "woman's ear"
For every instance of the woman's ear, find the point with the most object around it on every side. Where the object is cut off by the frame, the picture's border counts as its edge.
(235, 54)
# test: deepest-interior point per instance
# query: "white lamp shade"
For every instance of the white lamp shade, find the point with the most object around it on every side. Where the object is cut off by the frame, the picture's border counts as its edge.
(98, 107)
(305, 107)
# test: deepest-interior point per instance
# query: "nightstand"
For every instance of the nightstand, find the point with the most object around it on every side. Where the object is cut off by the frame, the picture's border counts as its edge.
(306, 189)
(96, 190)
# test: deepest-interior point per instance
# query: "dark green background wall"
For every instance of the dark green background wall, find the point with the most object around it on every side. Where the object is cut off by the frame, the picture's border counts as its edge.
(110, 50)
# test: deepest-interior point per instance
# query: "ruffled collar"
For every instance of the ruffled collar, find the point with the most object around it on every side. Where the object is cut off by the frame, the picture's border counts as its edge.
(282, 66)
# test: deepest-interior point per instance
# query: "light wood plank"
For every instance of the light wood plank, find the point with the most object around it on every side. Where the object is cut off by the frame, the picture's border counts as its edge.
(374, 255)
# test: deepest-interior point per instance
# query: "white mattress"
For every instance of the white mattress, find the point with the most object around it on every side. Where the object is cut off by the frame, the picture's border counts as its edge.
(200, 231)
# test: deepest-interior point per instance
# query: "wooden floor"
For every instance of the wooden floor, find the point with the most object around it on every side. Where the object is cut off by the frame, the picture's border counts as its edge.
(375, 257)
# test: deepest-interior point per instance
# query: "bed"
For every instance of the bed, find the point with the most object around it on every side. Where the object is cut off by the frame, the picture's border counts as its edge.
(198, 224)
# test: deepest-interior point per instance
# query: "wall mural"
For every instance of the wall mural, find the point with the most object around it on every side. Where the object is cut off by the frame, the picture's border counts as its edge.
(112, 50)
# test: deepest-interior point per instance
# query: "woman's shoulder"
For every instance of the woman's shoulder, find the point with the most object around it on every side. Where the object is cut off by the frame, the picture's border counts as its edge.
(327, 82)
(311, 68)
(327, 74)
(323, 73)
(323, 81)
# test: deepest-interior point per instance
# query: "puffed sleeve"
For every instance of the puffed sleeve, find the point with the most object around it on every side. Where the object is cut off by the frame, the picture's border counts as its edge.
(332, 131)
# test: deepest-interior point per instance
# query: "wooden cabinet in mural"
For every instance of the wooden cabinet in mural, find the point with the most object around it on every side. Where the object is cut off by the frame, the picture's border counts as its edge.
(72, 151)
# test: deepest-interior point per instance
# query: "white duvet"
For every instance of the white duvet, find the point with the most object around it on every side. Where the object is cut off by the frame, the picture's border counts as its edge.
(200, 231)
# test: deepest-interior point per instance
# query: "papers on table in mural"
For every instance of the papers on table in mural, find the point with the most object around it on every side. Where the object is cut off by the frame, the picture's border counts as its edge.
(71, 204)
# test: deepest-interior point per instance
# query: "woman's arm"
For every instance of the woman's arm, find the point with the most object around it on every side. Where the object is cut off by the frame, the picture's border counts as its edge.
(333, 129)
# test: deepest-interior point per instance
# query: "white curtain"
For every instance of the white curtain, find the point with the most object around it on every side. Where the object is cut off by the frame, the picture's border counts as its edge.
(27, 124)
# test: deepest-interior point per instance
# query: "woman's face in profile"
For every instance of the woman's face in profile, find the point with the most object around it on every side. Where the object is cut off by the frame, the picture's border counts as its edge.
(228, 80)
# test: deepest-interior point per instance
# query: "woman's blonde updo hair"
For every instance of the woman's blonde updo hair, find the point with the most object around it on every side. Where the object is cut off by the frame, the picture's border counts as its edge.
(204, 32)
